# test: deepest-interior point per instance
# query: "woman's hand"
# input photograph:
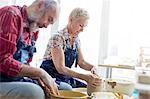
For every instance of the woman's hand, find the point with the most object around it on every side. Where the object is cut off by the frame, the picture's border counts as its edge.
(94, 71)
(93, 80)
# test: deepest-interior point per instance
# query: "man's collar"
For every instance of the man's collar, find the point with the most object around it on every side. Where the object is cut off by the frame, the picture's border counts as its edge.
(25, 16)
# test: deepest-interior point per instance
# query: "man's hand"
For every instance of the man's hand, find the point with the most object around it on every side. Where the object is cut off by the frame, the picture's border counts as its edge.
(48, 83)
(38, 73)
(47, 91)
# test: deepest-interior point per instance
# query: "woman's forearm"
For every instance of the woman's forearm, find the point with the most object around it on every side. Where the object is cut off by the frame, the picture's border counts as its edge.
(69, 72)
(85, 65)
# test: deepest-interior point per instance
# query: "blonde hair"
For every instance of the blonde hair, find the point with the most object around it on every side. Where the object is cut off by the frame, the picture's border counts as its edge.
(78, 13)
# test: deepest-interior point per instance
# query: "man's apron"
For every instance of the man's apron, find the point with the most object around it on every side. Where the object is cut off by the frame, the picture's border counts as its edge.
(23, 54)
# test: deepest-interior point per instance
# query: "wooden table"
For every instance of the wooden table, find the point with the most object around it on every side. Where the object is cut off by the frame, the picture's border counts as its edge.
(110, 66)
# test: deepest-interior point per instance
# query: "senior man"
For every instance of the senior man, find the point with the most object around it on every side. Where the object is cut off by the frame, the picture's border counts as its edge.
(18, 33)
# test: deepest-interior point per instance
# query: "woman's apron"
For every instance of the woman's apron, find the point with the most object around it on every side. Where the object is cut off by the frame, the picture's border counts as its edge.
(70, 56)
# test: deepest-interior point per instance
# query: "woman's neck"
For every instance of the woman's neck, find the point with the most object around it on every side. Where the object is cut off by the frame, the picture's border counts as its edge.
(71, 33)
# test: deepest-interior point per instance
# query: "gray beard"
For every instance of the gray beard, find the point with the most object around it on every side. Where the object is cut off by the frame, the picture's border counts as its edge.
(34, 27)
(33, 24)
(33, 20)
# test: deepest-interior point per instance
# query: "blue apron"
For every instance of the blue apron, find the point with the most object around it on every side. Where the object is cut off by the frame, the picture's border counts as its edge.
(23, 54)
(70, 56)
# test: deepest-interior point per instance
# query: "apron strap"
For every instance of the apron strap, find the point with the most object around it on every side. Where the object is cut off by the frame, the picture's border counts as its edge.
(76, 63)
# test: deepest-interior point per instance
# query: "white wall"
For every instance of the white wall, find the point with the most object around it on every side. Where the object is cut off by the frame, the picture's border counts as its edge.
(6, 2)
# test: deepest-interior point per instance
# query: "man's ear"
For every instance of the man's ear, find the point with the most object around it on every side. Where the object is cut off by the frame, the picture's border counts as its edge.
(70, 19)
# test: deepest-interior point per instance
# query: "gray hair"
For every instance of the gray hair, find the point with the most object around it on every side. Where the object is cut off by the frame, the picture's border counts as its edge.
(78, 13)
(49, 4)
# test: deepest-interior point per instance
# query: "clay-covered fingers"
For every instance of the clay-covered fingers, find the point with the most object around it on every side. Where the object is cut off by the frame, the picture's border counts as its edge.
(49, 82)
(96, 80)
(52, 86)
(94, 70)
(54, 89)
(49, 90)
(41, 83)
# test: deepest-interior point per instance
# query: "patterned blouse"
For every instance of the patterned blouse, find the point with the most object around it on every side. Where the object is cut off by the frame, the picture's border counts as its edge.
(60, 39)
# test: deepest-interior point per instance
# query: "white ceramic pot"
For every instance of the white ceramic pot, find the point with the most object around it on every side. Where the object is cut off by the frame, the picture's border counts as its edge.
(119, 86)
(91, 89)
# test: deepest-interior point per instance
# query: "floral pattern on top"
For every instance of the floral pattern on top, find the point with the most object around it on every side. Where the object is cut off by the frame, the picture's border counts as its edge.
(60, 40)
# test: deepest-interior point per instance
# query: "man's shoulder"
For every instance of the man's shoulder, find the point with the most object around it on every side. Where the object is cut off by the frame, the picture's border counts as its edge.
(15, 10)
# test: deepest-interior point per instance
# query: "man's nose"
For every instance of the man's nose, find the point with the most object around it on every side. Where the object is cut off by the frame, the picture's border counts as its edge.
(45, 25)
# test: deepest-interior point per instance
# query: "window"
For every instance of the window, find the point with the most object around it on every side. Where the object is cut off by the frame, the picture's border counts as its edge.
(128, 31)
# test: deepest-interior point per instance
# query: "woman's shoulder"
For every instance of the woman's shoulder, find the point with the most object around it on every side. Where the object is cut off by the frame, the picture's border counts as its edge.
(57, 36)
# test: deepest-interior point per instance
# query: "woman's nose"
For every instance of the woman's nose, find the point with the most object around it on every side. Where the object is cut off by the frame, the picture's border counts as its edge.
(81, 29)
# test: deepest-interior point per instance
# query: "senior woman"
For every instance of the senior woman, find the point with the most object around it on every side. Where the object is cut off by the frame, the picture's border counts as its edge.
(64, 49)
